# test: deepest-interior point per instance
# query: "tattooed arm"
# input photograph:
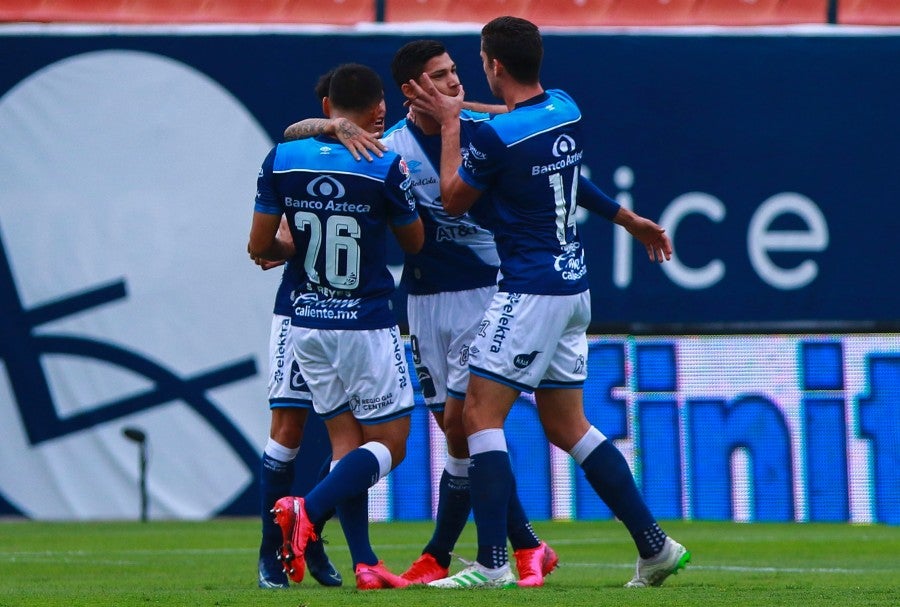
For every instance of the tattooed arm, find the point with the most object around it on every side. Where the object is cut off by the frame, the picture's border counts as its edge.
(359, 141)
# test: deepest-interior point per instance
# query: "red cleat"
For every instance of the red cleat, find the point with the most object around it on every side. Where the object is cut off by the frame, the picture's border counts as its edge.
(296, 531)
(425, 569)
(533, 564)
(377, 577)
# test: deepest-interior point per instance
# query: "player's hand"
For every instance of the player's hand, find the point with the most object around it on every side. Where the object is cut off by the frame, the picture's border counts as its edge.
(428, 100)
(360, 142)
(653, 237)
(267, 264)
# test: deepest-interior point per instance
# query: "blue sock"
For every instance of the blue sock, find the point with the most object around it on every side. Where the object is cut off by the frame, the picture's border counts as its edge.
(491, 480)
(518, 527)
(354, 516)
(275, 480)
(608, 473)
(354, 474)
(323, 472)
(452, 514)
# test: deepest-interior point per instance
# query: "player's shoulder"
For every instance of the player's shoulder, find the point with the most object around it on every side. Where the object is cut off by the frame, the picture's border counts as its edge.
(397, 135)
(398, 127)
(322, 155)
(543, 113)
(300, 153)
(560, 94)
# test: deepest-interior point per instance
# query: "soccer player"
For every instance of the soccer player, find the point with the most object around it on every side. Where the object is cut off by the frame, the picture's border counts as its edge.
(450, 283)
(533, 336)
(289, 403)
(344, 334)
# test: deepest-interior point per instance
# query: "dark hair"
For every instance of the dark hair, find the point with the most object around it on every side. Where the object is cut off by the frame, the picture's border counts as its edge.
(409, 62)
(355, 88)
(517, 44)
(323, 84)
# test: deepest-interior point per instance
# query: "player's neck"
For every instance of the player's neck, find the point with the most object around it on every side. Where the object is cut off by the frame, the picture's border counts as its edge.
(515, 93)
(426, 123)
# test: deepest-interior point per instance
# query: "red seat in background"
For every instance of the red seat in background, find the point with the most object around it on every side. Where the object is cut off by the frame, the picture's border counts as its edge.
(337, 12)
(869, 12)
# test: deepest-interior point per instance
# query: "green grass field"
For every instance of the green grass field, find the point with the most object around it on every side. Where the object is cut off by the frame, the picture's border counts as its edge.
(126, 564)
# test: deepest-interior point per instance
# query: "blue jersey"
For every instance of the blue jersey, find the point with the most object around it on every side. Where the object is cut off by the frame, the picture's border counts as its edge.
(529, 161)
(290, 278)
(458, 253)
(338, 211)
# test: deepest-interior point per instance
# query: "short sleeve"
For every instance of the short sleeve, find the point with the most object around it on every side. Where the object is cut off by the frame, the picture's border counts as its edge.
(266, 200)
(401, 207)
(481, 159)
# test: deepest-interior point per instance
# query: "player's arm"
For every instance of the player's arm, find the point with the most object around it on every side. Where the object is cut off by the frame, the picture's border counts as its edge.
(270, 237)
(411, 236)
(265, 244)
(284, 234)
(359, 141)
(484, 108)
(457, 196)
(595, 200)
(651, 235)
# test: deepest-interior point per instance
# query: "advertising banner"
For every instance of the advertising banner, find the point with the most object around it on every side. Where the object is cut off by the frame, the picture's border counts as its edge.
(128, 166)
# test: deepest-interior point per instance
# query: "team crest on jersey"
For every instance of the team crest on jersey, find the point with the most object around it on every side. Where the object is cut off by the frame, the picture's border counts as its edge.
(404, 167)
(325, 186)
(563, 146)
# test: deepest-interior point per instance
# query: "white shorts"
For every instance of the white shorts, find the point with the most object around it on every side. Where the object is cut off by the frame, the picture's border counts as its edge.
(287, 388)
(533, 341)
(441, 327)
(364, 372)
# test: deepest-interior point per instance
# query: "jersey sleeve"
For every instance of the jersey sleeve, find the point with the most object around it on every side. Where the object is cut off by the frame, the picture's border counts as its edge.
(266, 200)
(480, 162)
(401, 208)
(595, 200)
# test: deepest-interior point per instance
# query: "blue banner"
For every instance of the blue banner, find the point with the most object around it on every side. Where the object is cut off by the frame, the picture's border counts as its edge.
(127, 301)
(769, 157)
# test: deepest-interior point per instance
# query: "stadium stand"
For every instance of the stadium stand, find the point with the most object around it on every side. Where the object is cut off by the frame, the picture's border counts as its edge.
(337, 12)
(759, 12)
(613, 12)
(869, 12)
(542, 12)
(459, 11)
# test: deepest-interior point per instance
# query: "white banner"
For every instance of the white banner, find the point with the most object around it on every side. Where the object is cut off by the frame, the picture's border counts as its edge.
(125, 205)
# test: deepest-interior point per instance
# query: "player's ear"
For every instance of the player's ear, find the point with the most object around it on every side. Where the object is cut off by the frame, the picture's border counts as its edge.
(326, 107)
(497, 67)
(406, 89)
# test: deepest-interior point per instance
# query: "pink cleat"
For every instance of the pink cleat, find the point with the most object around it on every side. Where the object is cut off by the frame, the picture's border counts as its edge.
(296, 531)
(425, 569)
(377, 577)
(533, 564)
